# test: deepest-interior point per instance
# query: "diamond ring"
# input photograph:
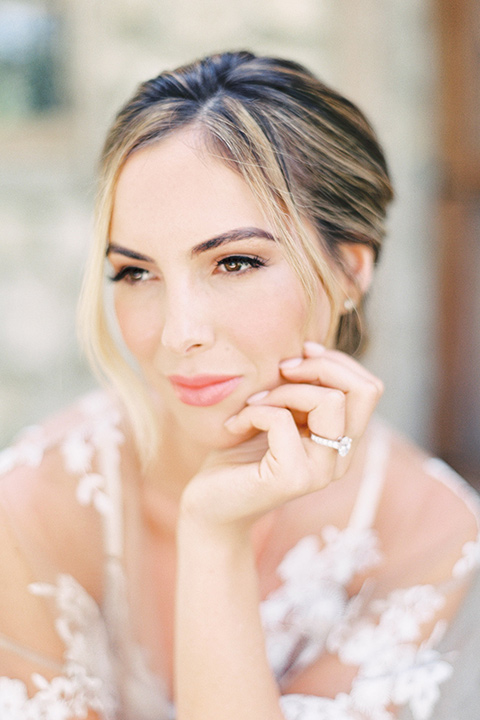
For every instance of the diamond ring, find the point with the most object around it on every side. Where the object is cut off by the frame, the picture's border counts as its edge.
(342, 445)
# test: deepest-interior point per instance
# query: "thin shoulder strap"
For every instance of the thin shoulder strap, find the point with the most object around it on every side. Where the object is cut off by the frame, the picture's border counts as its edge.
(368, 498)
(109, 462)
(114, 606)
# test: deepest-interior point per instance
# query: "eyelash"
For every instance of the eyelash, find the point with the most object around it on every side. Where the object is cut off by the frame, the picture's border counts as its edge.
(253, 261)
(129, 272)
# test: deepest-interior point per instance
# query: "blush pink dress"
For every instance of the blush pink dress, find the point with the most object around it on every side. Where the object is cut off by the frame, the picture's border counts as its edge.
(76, 468)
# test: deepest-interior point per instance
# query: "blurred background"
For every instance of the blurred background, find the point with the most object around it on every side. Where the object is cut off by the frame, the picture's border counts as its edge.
(413, 67)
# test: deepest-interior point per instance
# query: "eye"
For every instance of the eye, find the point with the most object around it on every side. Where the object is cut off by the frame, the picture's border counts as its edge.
(239, 264)
(132, 275)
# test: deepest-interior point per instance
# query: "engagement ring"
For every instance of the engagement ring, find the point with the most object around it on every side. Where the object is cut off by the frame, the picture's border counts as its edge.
(342, 445)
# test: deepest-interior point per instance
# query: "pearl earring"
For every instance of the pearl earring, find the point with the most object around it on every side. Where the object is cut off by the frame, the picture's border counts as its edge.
(349, 305)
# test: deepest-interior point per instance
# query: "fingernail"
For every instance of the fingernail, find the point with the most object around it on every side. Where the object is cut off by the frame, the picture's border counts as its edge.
(257, 397)
(230, 420)
(291, 362)
(313, 347)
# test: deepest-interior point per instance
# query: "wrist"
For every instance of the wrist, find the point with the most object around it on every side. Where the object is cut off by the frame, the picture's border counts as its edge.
(201, 516)
(195, 526)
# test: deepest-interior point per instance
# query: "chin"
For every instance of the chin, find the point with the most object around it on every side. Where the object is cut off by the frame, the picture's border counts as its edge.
(205, 427)
(210, 432)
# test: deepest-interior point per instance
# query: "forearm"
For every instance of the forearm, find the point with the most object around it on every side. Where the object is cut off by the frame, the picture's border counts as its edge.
(221, 666)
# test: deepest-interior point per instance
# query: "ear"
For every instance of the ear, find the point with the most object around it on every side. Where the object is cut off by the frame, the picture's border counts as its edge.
(358, 262)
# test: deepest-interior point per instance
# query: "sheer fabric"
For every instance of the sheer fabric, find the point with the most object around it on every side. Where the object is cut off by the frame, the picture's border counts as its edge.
(101, 667)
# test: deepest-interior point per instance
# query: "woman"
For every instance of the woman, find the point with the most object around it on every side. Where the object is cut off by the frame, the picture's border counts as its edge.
(227, 533)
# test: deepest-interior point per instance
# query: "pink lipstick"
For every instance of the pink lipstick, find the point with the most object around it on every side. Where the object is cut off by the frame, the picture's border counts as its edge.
(204, 390)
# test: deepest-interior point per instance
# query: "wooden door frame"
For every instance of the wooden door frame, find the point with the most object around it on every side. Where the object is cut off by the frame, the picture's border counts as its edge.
(456, 423)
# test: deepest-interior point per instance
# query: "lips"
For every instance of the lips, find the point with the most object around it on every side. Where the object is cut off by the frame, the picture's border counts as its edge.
(204, 390)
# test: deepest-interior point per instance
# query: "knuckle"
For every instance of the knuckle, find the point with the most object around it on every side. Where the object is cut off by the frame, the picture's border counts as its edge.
(313, 478)
(336, 398)
(283, 416)
(373, 388)
(299, 484)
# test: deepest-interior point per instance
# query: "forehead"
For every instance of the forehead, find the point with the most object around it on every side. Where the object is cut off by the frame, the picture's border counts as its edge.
(177, 188)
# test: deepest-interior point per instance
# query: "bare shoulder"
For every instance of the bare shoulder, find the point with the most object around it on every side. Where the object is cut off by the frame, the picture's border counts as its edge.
(44, 461)
(47, 489)
(426, 521)
(427, 515)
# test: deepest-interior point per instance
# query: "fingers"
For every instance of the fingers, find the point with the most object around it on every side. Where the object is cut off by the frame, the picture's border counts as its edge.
(314, 350)
(286, 463)
(327, 393)
(335, 370)
(294, 464)
(277, 422)
(317, 409)
(322, 411)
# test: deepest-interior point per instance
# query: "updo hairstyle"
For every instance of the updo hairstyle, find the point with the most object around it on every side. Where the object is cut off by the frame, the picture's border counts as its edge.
(308, 154)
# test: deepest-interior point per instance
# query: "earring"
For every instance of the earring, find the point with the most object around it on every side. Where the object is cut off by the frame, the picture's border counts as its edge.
(349, 305)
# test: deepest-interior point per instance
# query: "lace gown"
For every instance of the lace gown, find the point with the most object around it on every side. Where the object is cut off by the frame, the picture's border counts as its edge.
(105, 670)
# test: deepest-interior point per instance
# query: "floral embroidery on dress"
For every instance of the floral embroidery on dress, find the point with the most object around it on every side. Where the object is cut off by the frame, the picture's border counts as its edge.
(79, 449)
(471, 550)
(87, 680)
(312, 598)
(309, 707)
(28, 450)
(308, 614)
(59, 699)
(392, 669)
(470, 559)
(311, 613)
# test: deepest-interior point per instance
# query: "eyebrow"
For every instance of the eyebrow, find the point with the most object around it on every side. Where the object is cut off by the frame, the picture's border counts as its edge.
(223, 239)
(231, 236)
(119, 250)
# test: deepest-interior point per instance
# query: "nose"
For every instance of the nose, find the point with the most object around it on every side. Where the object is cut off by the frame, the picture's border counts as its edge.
(187, 322)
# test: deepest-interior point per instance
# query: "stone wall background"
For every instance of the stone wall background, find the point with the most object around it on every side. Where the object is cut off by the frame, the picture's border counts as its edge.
(381, 53)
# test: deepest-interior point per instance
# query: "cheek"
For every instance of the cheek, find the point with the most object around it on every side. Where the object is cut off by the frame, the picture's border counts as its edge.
(320, 318)
(275, 323)
(139, 325)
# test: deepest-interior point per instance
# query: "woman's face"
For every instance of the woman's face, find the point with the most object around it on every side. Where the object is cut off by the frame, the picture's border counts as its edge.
(205, 299)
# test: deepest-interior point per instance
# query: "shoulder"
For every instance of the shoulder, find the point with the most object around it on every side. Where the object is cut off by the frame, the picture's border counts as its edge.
(429, 517)
(86, 418)
(52, 485)
(424, 518)
(68, 445)
(416, 593)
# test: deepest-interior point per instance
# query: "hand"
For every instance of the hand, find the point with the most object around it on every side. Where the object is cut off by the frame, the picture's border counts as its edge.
(326, 393)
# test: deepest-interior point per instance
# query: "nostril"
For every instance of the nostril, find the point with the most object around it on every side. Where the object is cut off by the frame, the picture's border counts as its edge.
(186, 320)
(185, 340)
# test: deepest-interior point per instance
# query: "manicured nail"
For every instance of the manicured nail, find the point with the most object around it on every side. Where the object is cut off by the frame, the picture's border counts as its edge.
(291, 362)
(257, 397)
(314, 347)
(230, 420)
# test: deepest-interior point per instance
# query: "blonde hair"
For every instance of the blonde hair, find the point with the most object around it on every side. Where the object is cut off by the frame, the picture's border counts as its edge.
(309, 156)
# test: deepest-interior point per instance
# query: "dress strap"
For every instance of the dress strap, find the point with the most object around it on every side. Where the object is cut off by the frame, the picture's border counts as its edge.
(112, 518)
(114, 603)
(368, 497)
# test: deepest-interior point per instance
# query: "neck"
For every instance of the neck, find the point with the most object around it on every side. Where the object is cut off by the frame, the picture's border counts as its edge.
(176, 464)
(161, 485)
